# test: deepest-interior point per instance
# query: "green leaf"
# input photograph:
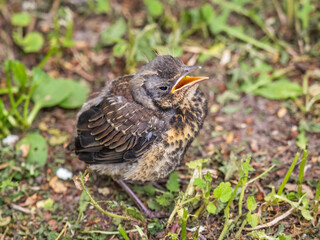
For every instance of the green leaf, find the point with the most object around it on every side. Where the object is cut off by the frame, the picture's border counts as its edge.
(38, 150)
(20, 19)
(103, 6)
(154, 7)
(114, 33)
(302, 140)
(19, 73)
(173, 182)
(32, 42)
(312, 127)
(78, 95)
(153, 204)
(163, 201)
(39, 76)
(207, 12)
(51, 92)
(283, 236)
(281, 89)
(252, 219)
(200, 183)
(211, 208)
(120, 48)
(306, 214)
(251, 203)
(134, 212)
(83, 202)
(223, 191)
(197, 163)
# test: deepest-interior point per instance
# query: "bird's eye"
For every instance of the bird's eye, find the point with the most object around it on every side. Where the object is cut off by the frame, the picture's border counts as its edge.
(163, 88)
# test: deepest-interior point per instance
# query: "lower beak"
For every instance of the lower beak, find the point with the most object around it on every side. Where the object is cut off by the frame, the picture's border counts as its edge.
(187, 81)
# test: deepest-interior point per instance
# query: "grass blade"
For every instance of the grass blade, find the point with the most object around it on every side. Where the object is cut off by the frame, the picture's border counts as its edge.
(301, 170)
(286, 178)
(123, 232)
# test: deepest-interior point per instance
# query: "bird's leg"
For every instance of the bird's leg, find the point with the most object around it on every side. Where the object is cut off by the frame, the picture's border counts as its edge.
(155, 184)
(147, 212)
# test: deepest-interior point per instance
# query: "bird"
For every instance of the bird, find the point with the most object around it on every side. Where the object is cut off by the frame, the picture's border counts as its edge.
(139, 126)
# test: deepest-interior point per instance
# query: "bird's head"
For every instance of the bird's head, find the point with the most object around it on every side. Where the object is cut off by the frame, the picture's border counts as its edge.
(164, 82)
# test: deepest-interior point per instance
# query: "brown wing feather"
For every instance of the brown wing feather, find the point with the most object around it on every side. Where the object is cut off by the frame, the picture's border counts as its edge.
(116, 130)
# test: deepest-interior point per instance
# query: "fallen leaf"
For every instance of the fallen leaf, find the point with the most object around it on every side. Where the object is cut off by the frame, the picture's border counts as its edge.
(57, 186)
(31, 200)
(260, 196)
(77, 182)
(104, 191)
(53, 224)
(218, 128)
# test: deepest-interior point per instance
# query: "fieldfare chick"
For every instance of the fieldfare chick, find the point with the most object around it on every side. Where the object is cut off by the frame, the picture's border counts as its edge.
(141, 125)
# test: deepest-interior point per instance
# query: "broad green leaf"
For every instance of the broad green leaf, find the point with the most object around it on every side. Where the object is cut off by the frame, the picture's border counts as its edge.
(77, 96)
(32, 42)
(306, 214)
(51, 92)
(207, 12)
(173, 182)
(252, 219)
(39, 76)
(20, 19)
(114, 33)
(223, 191)
(154, 7)
(19, 73)
(199, 182)
(211, 208)
(38, 149)
(163, 201)
(251, 203)
(153, 204)
(281, 89)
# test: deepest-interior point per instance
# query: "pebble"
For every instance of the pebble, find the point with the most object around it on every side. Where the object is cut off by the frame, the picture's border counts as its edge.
(64, 174)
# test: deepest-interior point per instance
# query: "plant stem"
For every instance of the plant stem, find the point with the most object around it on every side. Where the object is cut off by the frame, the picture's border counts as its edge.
(6, 90)
(36, 108)
(241, 228)
(301, 170)
(316, 200)
(97, 206)
(225, 228)
(261, 175)
(184, 224)
(286, 178)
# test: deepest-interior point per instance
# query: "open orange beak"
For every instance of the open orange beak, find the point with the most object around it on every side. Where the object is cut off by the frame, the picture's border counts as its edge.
(186, 81)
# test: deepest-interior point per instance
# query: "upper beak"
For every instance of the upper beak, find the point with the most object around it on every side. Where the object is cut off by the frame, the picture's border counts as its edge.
(187, 81)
